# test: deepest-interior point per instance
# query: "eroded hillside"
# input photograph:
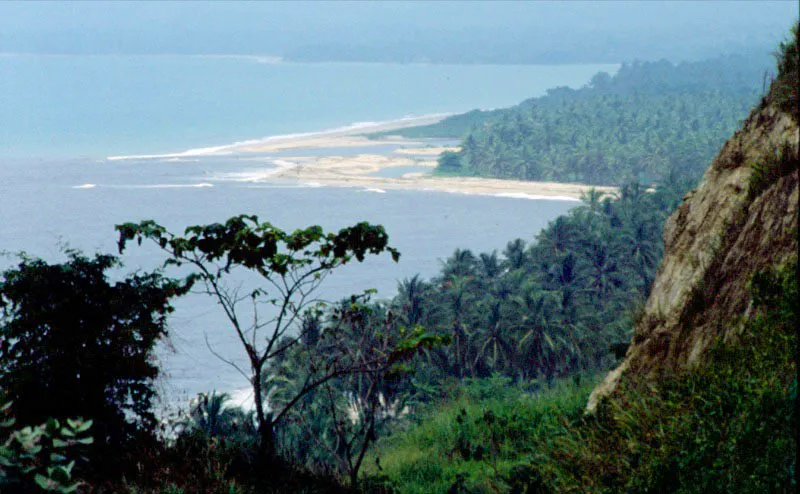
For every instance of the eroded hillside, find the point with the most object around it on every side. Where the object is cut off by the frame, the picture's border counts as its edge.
(741, 219)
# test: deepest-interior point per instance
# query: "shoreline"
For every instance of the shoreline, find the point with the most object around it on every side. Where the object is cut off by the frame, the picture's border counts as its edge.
(363, 170)
(345, 136)
(356, 172)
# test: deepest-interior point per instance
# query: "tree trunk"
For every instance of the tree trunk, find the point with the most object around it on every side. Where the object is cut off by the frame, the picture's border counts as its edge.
(266, 443)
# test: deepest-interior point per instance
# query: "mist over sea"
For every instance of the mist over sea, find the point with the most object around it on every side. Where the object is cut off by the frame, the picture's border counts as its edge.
(62, 116)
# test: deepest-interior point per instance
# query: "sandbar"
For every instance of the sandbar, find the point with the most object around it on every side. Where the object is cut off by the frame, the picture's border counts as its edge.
(363, 170)
(357, 171)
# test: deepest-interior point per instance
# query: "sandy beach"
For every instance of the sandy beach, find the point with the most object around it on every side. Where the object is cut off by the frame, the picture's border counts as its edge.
(351, 136)
(371, 171)
(356, 171)
(360, 170)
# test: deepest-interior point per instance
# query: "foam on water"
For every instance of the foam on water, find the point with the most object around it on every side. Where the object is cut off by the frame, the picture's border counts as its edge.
(507, 195)
(180, 160)
(162, 186)
(228, 149)
(253, 176)
(243, 397)
(538, 197)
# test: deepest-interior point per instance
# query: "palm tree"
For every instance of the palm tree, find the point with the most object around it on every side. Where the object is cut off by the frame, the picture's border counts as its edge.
(563, 278)
(515, 255)
(603, 275)
(643, 252)
(592, 199)
(211, 416)
(535, 309)
(493, 350)
(461, 263)
(489, 265)
(410, 298)
(556, 238)
(458, 295)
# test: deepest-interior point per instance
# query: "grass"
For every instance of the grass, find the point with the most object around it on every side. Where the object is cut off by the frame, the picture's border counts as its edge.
(787, 85)
(725, 426)
(777, 163)
(483, 440)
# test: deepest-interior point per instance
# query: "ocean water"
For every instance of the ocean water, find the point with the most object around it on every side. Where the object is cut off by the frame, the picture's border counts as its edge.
(60, 117)
(94, 106)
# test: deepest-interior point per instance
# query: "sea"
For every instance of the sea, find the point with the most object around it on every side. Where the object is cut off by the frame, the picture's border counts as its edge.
(63, 116)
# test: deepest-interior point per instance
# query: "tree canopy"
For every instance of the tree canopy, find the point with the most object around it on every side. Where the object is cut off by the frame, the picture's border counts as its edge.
(74, 344)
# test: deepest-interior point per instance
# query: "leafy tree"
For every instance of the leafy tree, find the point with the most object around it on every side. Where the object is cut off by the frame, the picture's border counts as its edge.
(334, 426)
(268, 318)
(74, 344)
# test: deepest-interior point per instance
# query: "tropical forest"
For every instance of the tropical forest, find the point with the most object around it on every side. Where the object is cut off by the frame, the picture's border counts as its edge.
(645, 340)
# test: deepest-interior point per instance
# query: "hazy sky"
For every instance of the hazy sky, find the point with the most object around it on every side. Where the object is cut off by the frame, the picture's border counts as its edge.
(442, 28)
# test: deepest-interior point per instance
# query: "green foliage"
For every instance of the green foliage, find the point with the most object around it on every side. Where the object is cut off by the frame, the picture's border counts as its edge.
(787, 85)
(455, 126)
(449, 162)
(482, 439)
(74, 344)
(777, 163)
(40, 457)
(727, 425)
(290, 267)
(546, 310)
(211, 416)
(332, 428)
(646, 122)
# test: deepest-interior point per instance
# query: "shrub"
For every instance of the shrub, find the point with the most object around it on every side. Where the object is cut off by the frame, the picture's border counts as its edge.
(777, 163)
(42, 457)
(73, 344)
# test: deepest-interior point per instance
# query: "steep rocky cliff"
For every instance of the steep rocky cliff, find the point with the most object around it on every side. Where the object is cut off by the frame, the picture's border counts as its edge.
(742, 218)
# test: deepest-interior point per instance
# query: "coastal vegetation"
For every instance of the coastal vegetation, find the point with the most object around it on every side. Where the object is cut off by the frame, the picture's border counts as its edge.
(475, 380)
(644, 123)
(724, 427)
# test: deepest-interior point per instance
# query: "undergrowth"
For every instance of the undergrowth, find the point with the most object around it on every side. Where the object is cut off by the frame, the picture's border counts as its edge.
(727, 425)
(787, 85)
(483, 440)
(776, 163)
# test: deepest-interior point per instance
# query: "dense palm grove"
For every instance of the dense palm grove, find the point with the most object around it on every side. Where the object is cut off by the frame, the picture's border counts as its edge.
(548, 308)
(559, 306)
(646, 122)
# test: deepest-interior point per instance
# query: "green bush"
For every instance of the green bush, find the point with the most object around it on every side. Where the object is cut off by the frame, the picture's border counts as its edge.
(483, 440)
(727, 425)
(787, 85)
(777, 163)
(42, 457)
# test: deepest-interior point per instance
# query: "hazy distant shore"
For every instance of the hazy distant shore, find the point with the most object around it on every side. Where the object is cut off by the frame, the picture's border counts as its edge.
(364, 170)
(346, 136)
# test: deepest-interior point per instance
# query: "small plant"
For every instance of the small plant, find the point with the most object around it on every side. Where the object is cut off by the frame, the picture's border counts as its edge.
(777, 163)
(40, 455)
(787, 85)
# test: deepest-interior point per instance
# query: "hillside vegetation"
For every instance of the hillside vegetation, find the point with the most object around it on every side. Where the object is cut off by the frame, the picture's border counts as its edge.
(484, 378)
(725, 427)
(646, 122)
(705, 399)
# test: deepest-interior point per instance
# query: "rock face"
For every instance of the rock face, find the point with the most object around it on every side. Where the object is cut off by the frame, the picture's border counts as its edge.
(720, 235)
